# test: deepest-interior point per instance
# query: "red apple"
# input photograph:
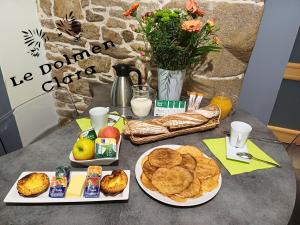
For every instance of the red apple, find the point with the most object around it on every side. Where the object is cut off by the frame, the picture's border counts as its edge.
(109, 132)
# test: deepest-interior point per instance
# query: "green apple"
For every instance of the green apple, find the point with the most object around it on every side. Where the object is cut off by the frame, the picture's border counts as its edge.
(83, 149)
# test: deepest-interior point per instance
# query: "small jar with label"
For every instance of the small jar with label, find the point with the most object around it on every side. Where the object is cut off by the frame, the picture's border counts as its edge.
(141, 102)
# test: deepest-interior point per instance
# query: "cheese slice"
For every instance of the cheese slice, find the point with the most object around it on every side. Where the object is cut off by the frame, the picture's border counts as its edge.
(76, 186)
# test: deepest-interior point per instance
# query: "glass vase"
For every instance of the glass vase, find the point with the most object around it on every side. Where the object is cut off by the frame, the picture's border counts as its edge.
(170, 84)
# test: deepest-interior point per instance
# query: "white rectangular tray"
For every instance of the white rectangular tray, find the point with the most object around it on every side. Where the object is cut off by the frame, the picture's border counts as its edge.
(97, 162)
(14, 197)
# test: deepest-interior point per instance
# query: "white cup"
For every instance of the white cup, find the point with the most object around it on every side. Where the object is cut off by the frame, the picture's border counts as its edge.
(239, 133)
(99, 116)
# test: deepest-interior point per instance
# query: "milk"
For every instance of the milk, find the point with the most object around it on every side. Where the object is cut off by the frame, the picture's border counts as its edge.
(141, 106)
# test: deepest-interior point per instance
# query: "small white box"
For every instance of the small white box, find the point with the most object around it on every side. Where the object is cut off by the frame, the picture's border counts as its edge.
(168, 107)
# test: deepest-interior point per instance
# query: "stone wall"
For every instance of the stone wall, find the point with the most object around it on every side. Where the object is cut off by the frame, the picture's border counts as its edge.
(102, 20)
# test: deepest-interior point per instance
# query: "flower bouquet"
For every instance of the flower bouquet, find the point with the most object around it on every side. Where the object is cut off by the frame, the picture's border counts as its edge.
(178, 38)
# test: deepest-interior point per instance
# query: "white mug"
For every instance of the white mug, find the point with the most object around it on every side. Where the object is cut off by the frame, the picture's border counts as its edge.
(239, 133)
(99, 116)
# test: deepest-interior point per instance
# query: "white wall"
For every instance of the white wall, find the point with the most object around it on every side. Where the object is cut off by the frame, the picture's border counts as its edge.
(37, 116)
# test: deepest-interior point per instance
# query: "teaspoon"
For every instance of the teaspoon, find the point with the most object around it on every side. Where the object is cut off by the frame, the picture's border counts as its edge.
(247, 155)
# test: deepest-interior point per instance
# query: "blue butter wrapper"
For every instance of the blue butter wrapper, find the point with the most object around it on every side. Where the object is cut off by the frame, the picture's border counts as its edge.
(92, 187)
(58, 187)
(57, 192)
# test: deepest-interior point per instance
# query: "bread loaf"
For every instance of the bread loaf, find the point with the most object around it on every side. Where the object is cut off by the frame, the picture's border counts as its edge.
(170, 123)
(140, 128)
(178, 121)
(209, 111)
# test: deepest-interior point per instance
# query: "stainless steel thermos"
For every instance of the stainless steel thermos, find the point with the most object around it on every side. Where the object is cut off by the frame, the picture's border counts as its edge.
(121, 92)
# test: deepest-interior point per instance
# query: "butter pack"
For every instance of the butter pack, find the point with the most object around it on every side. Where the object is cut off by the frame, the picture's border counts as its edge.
(105, 148)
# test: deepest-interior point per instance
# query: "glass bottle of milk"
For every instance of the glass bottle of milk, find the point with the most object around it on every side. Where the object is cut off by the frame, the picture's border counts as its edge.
(141, 103)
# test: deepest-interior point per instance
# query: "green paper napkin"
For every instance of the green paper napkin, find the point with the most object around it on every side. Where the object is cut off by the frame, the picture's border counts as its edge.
(218, 147)
(120, 125)
(84, 123)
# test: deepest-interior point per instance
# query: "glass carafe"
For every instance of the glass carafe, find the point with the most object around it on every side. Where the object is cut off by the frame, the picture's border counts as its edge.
(141, 102)
(226, 102)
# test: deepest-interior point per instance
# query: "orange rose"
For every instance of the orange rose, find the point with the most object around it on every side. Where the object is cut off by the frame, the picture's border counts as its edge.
(132, 9)
(191, 6)
(191, 25)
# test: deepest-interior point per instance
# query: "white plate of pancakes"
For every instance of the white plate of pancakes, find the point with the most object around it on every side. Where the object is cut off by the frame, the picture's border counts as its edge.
(178, 175)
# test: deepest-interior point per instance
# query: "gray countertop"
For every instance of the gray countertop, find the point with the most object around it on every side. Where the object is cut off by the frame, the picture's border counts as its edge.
(264, 197)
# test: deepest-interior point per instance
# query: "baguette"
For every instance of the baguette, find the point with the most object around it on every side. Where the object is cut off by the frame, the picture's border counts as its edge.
(209, 111)
(179, 121)
(140, 128)
(171, 123)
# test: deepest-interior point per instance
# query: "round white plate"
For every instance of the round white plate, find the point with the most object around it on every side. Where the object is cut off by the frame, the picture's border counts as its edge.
(190, 202)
